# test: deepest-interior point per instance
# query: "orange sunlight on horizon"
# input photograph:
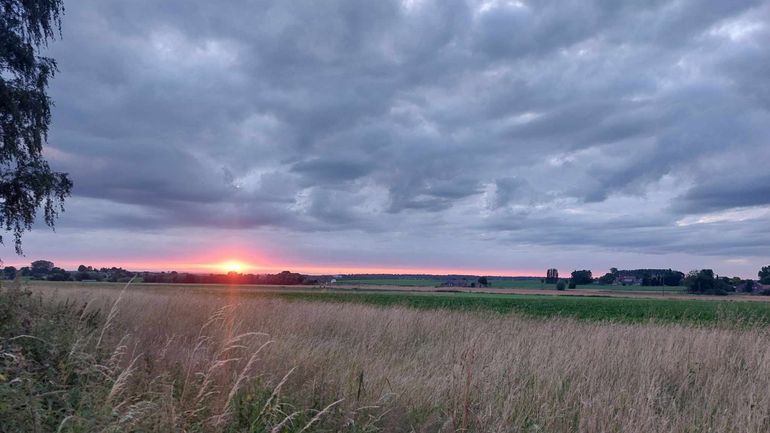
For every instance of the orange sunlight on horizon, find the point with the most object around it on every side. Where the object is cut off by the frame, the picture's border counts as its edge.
(242, 259)
(233, 266)
(249, 263)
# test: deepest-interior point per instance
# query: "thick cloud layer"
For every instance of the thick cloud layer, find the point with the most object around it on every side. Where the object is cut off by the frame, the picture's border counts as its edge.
(636, 130)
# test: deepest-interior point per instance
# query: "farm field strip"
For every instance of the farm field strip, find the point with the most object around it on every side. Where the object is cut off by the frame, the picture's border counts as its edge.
(595, 308)
(626, 310)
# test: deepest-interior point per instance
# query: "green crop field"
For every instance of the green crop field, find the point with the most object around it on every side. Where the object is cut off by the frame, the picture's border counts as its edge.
(627, 310)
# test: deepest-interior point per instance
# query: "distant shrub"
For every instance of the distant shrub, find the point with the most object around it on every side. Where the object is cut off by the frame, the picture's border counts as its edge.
(561, 285)
(572, 285)
(749, 286)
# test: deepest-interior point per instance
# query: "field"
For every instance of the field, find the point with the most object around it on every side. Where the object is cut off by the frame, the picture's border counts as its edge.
(584, 304)
(241, 359)
(530, 283)
(628, 310)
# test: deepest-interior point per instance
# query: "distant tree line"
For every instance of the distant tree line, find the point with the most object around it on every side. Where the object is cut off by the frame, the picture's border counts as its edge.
(47, 271)
(644, 277)
(285, 278)
(703, 281)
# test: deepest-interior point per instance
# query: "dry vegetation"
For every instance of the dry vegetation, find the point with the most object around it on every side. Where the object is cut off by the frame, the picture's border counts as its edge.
(212, 363)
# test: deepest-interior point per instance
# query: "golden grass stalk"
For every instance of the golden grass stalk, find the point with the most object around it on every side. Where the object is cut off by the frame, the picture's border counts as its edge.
(450, 370)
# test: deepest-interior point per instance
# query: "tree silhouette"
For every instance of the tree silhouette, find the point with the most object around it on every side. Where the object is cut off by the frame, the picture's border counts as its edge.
(27, 183)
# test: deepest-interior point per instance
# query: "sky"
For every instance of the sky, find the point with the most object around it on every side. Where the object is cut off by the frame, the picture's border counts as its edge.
(488, 137)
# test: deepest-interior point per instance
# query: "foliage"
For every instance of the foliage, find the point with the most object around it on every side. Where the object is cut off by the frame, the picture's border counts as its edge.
(26, 181)
(58, 274)
(561, 285)
(656, 277)
(648, 277)
(704, 282)
(552, 276)
(483, 282)
(749, 287)
(284, 278)
(672, 278)
(40, 267)
(48, 372)
(113, 274)
(572, 284)
(607, 278)
(764, 275)
(45, 270)
(9, 272)
(582, 277)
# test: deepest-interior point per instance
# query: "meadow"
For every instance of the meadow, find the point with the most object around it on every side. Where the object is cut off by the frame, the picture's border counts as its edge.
(230, 359)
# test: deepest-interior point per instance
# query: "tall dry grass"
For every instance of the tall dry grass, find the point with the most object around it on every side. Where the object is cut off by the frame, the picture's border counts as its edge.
(397, 369)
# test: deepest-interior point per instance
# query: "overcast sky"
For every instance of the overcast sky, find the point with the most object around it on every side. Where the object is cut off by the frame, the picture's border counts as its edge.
(493, 136)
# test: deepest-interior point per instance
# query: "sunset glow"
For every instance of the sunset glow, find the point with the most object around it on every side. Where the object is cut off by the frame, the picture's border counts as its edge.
(233, 266)
(259, 264)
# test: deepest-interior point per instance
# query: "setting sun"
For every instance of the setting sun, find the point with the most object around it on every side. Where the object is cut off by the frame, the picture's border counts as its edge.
(233, 266)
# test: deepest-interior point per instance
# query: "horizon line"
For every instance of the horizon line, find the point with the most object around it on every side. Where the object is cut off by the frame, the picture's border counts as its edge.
(207, 268)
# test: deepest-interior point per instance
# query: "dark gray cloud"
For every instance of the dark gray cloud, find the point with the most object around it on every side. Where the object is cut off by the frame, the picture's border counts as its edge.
(320, 170)
(627, 126)
(727, 191)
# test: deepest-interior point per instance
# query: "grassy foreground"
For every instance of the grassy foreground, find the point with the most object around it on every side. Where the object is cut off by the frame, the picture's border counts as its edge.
(82, 359)
(67, 366)
(626, 310)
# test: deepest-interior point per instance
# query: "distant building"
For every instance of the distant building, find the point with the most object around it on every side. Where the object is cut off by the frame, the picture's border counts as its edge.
(647, 277)
(458, 282)
(629, 280)
(757, 287)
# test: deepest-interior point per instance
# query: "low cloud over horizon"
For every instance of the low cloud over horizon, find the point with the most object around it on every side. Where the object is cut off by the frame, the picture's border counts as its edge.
(484, 135)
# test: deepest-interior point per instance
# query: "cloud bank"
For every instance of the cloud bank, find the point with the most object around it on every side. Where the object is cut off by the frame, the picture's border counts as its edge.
(516, 133)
